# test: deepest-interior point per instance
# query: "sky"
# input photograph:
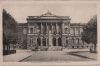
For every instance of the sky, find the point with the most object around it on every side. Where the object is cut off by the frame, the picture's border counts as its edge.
(78, 12)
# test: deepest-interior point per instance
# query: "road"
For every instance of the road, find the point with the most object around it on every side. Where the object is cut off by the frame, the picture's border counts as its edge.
(46, 56)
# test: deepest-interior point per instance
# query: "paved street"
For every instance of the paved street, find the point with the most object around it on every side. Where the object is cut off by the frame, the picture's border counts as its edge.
(45, 56)
(19, 55)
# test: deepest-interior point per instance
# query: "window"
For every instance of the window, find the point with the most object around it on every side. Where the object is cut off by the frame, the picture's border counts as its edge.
(24, 31)
(81, 30)
(72, 31)
(76, 31)
(31, 40)
(66, 30)
(31, 30)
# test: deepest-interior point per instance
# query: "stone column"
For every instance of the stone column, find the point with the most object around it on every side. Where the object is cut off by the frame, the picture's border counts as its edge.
(63, 41)
(56, 41)
(46, 42)
(74, 30)
(41, 28)
(79, 31)
(62, 27)
(47, 28)
(51, 28)
(28, 42)
(41, 42)
(29, 30)
(35, 41)
(36, 28)
(68, 28)
(56, 28)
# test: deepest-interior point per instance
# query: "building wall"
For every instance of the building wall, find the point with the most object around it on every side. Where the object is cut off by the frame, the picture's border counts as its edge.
(22, 36)
(75, 36)
(70, 33)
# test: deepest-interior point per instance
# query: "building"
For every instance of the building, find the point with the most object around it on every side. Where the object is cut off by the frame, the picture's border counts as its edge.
(50, 32)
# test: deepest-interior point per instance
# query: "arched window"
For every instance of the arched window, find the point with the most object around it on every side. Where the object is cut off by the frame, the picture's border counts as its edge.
(44, 41)
(38, 41)
(72, 40)
(31, 30)
(59, 42)
(54, 41)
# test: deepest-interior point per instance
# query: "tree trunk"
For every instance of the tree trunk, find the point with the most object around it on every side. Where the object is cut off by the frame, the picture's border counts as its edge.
(93, 48)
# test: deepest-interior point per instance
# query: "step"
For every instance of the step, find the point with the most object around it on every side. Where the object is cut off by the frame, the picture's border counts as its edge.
(57, 48)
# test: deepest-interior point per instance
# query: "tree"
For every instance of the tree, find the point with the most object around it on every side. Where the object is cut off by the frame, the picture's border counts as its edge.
(89, 34)
(9, 31)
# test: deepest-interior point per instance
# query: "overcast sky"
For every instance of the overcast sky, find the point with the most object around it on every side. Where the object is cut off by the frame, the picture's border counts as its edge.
(78, 12)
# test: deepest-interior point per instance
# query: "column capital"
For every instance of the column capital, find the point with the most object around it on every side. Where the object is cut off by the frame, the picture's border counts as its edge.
(56, 37)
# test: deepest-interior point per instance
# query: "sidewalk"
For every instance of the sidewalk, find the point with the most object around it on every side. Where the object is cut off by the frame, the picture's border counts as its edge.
(19, 55)
(84, 53)
(89, 55)
(74, 50)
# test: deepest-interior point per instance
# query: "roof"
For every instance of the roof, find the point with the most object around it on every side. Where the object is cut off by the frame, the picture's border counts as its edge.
(22, 24)
(48, 15)
(77, 24)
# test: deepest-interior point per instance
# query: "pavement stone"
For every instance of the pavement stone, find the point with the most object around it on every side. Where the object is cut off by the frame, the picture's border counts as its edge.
(19, 55)
(32, 56)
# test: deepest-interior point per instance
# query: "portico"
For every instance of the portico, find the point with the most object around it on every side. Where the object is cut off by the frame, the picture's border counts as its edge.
(46, 30)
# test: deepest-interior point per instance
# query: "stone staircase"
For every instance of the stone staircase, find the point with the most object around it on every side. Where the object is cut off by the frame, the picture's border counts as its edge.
(55, 48)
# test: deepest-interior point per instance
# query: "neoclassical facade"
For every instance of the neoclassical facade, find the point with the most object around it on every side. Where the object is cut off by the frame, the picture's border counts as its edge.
(50, 32)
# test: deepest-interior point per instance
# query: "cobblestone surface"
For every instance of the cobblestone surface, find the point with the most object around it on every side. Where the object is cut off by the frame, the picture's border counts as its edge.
(45, 56)
(52, 56)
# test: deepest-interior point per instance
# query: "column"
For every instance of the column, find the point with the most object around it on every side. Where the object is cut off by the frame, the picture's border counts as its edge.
(51, 28)
(63, 41)
(41, 28)
(56, 41)
(29, 30)
(74, 30)
(56, 28)
(35, 41)
(47, 28)
(36, 28)
(79, 31)
(46, 42)
(62, 27)
(41, 42)
(68, 28)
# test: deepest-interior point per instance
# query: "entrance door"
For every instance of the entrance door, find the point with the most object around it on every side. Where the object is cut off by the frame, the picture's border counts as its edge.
(39, 42)
(59, 42)
(54, 41)
(44, 41)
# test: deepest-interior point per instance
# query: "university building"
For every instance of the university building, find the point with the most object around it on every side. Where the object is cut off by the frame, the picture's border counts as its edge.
(50, 32)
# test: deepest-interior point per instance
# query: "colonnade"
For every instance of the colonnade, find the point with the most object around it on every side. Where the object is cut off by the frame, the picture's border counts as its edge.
(44, 27)
(45, 41)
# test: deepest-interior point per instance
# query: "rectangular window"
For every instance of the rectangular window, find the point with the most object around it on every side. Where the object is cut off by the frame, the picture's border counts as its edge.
(81, 30)
(66, 30)
(24, 31)
(72, 31)
(31, 30)
(76, 31)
